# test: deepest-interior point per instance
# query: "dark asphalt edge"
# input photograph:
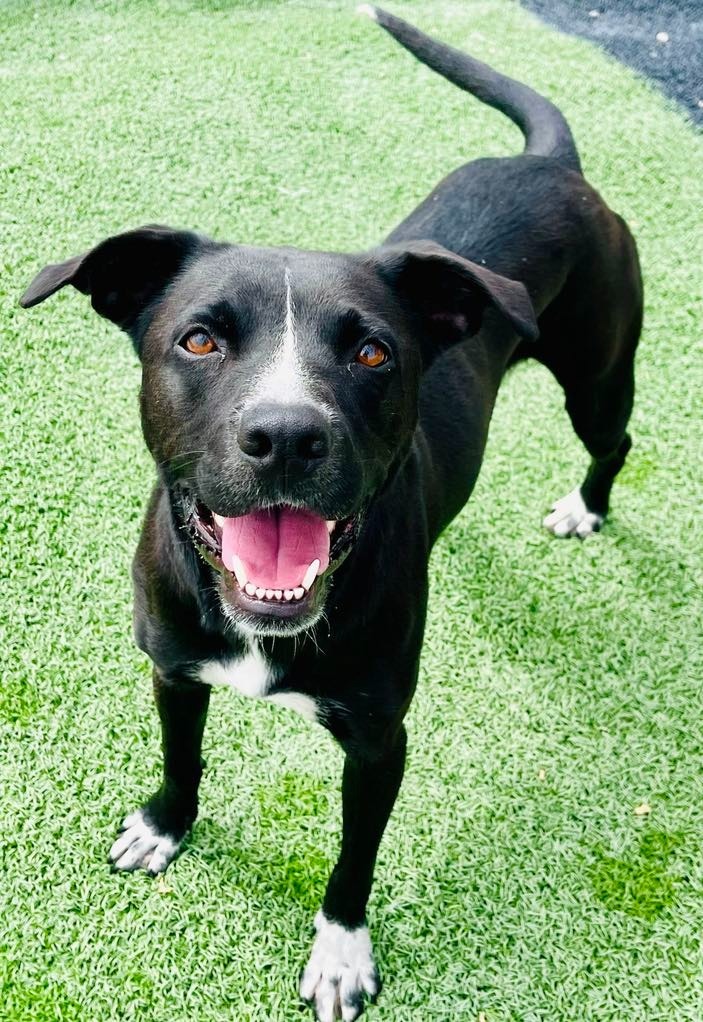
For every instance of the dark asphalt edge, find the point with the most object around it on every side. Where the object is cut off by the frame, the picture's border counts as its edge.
(662, 40)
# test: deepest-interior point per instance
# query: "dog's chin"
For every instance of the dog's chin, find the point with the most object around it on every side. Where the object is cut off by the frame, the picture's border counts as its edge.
(246, 605)
(252, 616)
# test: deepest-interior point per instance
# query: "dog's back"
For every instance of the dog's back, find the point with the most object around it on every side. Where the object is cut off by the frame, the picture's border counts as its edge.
(531, 217)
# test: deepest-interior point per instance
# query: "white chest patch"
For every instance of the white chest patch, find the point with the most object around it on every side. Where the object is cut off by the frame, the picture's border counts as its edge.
(252, 675)
(305, 705)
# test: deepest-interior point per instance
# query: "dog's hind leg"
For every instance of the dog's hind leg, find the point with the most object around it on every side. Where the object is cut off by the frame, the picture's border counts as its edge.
(588, 338)
(599, 413)
(596, 371)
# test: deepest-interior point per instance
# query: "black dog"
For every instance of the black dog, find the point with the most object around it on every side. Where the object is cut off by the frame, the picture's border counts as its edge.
(317, 420)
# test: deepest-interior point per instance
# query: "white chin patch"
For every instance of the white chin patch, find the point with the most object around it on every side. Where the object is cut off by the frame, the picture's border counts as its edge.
(341, 970)
(571, 517)
(140, 846)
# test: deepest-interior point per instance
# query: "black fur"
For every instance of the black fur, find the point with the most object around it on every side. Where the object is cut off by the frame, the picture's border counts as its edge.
(507, 258)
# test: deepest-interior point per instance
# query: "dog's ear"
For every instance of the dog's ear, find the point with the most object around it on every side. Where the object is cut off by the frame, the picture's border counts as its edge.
(450, 293)
(122, 274)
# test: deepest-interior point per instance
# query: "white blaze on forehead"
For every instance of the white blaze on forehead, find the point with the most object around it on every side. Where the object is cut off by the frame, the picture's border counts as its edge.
(285, 380)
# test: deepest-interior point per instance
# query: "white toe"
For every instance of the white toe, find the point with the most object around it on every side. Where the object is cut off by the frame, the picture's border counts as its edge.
(340, 971)
(571, 517)
(140, 845)
(563, 527)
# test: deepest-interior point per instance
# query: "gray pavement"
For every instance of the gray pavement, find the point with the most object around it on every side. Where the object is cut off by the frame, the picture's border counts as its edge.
(661, 39)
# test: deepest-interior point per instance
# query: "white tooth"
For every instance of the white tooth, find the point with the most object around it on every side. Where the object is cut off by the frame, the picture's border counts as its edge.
(287, 594)
(269, 594)
(250, 589)
(240, 572)
(310, 575)
(218, 519)
(278, 594)
(260, 593)
(330, 526)
(299, 592)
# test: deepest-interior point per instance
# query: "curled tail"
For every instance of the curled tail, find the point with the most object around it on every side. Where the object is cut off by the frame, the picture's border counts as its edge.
(544, 127)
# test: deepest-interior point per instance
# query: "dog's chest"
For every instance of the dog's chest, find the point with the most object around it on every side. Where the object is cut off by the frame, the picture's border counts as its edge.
(254, 676)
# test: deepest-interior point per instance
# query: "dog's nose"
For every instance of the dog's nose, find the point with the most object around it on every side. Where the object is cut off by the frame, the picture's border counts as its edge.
(284, 436)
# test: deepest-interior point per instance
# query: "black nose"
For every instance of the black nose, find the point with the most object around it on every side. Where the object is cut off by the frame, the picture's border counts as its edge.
(284, 436)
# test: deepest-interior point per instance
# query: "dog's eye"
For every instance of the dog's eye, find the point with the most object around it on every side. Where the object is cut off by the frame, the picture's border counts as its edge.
(199, 343)
(372, 354)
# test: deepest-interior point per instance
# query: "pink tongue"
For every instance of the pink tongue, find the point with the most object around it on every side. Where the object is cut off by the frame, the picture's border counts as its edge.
(276, 546)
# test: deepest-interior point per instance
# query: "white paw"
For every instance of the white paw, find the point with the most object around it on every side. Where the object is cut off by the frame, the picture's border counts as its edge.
(140, 846)
(571, 517)
(340, 972)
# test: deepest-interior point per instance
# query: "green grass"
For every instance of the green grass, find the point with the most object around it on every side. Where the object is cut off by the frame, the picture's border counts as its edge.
(561, 682)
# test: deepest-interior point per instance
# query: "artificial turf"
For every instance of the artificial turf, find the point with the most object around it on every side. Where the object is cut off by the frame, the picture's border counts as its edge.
(561, 682)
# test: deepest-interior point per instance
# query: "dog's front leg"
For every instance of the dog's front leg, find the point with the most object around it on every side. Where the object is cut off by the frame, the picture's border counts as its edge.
(341, 969)
(151, 837)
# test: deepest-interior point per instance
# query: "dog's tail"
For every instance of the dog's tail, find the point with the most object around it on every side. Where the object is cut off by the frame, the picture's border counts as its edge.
(544, 127)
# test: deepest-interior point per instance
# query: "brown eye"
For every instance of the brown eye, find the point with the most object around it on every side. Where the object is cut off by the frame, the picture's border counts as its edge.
(199, 344)
(372, 354)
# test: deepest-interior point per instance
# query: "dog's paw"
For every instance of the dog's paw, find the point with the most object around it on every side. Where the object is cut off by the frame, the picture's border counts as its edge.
(570, 517)
(141, 845)
(340, 973)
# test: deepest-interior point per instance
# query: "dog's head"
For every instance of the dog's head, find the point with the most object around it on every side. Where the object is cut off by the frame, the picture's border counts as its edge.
(280, 390)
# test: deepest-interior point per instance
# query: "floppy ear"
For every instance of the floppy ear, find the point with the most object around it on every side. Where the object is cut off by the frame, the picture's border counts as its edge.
(122, 274)
(451, 293)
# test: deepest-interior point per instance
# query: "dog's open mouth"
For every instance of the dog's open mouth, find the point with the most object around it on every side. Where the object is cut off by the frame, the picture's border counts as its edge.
(272, 558)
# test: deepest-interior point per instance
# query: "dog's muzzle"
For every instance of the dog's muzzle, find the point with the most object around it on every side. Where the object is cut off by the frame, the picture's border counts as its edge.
(273, 560)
